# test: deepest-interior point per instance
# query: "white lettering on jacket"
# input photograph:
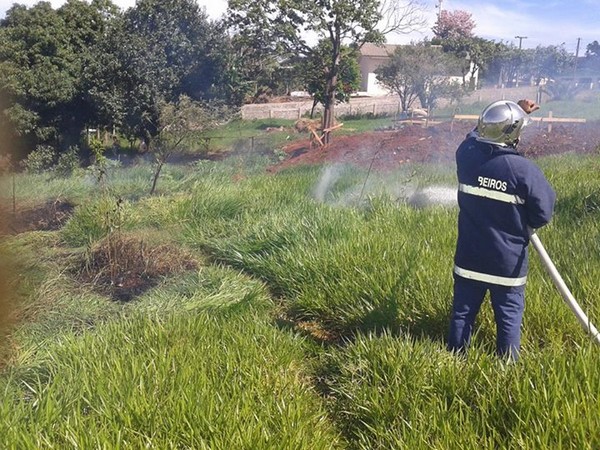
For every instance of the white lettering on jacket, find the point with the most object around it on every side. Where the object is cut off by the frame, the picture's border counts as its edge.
(491, 183)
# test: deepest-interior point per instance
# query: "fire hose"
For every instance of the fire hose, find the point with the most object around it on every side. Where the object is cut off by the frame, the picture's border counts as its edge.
(563, 289)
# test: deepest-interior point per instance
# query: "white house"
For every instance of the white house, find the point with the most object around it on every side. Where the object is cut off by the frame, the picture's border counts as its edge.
(374, 55)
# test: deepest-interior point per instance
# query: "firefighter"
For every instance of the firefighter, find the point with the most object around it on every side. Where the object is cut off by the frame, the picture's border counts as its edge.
(502, 198)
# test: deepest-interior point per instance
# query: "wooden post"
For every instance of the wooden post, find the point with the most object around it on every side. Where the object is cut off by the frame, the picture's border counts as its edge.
(549, 121)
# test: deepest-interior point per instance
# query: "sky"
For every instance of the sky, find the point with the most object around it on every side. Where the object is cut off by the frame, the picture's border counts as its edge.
(540, 22)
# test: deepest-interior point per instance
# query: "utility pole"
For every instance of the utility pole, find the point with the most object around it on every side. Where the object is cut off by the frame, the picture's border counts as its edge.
(576, 58)
(439, 7)
(520, 38)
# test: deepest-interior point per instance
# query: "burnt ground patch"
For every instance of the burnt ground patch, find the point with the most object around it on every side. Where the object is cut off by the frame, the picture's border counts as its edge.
(48, 216)
(124, 266)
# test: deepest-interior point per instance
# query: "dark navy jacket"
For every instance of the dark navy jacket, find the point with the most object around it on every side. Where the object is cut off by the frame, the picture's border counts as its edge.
(500, 195)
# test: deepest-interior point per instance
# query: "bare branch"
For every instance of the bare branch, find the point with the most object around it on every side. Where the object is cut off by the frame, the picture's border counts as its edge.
(402, 17)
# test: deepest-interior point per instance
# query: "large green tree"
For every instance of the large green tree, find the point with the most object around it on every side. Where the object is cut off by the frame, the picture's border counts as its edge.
(156, 52)
(293, 23)
(591, 62)
(42, 55)
(256, 56)
(474, 53)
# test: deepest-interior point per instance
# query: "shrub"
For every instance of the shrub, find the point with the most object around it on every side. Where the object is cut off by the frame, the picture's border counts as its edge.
(40, 160)
(68, 162)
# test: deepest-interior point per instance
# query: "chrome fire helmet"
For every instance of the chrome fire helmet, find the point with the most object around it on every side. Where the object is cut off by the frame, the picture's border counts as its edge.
(501, 123)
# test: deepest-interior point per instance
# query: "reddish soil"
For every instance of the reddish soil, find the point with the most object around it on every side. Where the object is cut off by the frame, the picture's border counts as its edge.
(388, 149)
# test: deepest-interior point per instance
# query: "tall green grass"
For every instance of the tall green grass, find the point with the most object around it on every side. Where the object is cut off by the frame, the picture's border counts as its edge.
(202, 361)
(398, 392)
(205, 381)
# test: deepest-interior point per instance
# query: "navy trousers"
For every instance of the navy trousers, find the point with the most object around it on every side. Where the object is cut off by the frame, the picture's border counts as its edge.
(508, 304)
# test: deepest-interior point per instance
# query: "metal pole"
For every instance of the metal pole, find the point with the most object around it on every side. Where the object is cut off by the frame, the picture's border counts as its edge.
(563, 289)
(520, 38)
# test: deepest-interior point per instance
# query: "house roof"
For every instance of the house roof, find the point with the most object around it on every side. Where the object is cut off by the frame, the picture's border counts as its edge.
(377, 50)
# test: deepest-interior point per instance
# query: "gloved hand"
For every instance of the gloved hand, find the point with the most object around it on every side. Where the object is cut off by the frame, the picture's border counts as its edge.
(528, 106)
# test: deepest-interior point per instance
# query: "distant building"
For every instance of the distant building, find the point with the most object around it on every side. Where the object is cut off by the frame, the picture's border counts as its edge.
(370, 58)
(373, 56)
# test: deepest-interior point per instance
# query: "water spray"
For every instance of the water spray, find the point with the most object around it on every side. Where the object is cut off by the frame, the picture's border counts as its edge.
(563, 289)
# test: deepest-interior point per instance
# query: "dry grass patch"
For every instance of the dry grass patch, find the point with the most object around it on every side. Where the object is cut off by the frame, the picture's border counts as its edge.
(124, 266)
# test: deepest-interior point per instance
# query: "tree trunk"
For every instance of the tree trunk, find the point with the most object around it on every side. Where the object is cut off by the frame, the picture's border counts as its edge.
(328, 121)
(312, 110)
(331, 87)
(159, 167)
(329, 106)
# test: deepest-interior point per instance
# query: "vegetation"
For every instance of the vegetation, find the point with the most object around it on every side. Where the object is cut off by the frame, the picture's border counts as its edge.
(306, 321)
(236, 308)
(419, 72)
(91, 68)
(336, 24)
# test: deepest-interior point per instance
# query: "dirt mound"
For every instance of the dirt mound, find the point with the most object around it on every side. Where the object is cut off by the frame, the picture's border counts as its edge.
(388, 149)
(49, 216)
(124, 266)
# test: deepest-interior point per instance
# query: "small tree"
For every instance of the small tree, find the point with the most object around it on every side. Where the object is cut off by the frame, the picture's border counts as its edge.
(419, 72)
(454, 24)
(178, 124)
(315, 66)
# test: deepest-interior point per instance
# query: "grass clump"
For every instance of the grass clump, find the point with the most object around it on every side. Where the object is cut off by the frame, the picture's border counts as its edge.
(194, 381)
(125, 265)
(398, 392)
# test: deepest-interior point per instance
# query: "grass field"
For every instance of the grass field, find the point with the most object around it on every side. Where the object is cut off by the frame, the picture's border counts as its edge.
(314, 317)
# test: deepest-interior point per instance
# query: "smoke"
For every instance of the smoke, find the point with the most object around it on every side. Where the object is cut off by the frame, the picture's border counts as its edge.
(339, 185)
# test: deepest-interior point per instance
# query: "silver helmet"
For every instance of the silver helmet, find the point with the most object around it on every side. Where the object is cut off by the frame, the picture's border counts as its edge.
(501, 123)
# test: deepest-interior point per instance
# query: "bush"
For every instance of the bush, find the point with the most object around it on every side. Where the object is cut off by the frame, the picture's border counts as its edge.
(40, 160)
(68, 162)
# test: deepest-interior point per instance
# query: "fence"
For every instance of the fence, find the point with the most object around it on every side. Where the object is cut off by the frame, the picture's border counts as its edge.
(296, 110)
(549, 120)
(375, 105)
